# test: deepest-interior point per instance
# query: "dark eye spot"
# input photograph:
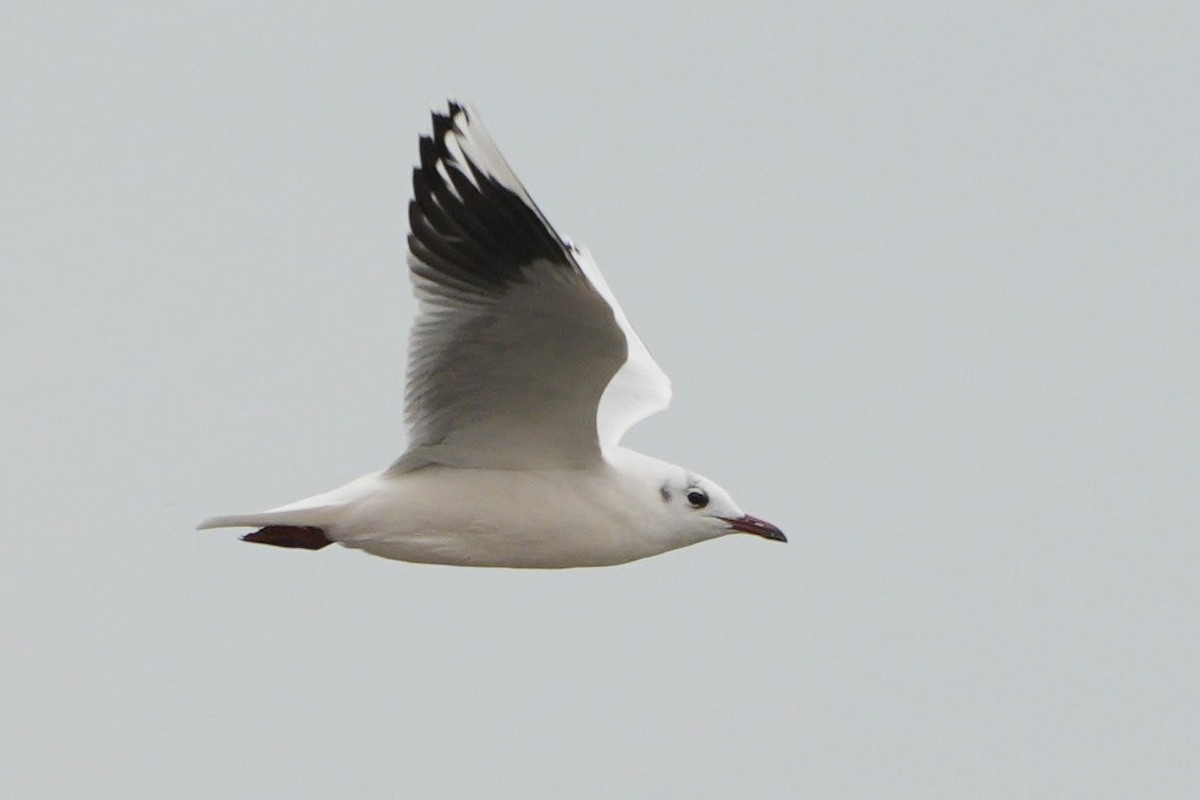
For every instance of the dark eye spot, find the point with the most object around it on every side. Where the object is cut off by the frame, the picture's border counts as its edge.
(697, 498)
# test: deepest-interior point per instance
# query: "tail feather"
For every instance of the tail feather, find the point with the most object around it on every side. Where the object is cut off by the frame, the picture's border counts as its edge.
(303, 518)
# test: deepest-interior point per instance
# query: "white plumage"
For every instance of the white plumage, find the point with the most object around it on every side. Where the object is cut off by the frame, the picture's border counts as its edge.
(523, 376)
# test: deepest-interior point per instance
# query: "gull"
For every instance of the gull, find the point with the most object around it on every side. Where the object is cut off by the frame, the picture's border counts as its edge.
(523, 375)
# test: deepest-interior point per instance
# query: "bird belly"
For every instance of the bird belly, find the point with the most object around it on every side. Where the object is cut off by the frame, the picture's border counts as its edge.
(497, 518)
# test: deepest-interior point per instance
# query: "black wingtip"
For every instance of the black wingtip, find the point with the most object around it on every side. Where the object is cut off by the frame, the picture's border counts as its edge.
(464, 222)
(442, 123)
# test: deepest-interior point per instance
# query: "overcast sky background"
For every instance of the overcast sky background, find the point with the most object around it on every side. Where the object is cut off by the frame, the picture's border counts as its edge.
(925, 277)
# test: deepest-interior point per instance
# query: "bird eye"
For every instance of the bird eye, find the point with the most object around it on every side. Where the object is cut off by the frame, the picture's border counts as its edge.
(697, 498)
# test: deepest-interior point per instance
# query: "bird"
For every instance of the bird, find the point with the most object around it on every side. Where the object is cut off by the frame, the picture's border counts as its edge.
(523, 375)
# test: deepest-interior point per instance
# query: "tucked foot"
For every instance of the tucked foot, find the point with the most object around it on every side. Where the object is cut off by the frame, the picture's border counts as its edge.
(307, 538)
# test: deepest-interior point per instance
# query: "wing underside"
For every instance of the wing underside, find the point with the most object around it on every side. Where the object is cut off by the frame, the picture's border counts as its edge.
(520, 356)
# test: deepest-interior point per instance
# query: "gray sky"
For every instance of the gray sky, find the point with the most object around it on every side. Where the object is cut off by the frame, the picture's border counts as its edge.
(925, 280)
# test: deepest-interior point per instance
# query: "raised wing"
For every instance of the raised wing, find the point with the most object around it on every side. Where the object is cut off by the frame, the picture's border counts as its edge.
(520, 357)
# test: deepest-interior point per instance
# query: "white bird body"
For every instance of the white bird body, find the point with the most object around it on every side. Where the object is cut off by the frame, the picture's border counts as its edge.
(596, 515)
(523, 375)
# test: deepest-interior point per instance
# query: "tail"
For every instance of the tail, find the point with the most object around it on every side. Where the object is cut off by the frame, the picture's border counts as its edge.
(305, 523)
(275, 530)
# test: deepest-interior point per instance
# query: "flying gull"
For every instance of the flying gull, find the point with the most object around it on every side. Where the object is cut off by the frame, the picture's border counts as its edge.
(523, 375)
